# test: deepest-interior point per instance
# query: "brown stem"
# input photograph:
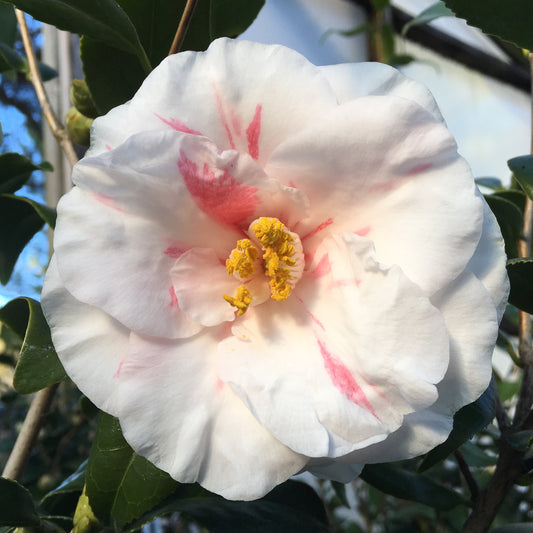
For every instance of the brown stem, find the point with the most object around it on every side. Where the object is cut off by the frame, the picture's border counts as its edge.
(28, 433)
(182, 27)
(469, 478)
(58, 131)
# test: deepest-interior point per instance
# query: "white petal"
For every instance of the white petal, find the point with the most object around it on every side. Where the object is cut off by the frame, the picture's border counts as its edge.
(384, 167)
(176, 412)
(90, 344)
(336, 366)
(355, 80)
(488, 261)
(234, 93)
(200, 281)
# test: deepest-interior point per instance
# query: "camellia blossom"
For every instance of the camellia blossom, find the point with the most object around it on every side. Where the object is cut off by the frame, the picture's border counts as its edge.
(267, 267)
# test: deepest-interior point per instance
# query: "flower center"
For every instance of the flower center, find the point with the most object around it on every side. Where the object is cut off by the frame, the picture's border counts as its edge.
(281, 263)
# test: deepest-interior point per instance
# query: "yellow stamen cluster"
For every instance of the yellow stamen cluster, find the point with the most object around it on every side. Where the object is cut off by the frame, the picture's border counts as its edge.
(241, 301)
(276, 242)
(242, 259)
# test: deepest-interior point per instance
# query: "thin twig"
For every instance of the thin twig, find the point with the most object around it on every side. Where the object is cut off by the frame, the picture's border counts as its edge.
(182, 27)
(28, 433)
(58, 131)
(469, 478)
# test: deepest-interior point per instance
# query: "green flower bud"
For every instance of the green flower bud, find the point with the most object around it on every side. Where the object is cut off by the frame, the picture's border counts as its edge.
(84, 520)
(78, 126)
(82, 99)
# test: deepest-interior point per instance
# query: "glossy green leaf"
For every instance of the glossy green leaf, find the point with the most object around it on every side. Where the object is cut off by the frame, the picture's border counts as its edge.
(229, 18)
(120, 484)
(511, 20)
(8, 24)
(406, 485)
(47, 214)
(489, 182)
(38, 365)
(69, 489)
(15, 170)
(514, 528)
(509, 219)
(466, 422)
(520, 273)
(432, 12)
(16, 505)
(18, 224)
(103, 20)
(522, 168)
(292, 507)
(515, 196)
(10, 60)
(521, 440)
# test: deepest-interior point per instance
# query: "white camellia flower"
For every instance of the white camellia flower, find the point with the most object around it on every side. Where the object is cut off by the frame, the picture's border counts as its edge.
(267, 267)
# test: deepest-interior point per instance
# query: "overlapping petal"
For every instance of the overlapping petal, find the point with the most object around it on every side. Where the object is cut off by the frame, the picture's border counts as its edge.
(364, 356)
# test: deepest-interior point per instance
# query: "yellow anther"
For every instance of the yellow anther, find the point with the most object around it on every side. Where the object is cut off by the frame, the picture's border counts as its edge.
(242, 259)
(241, 301)
(276, 242)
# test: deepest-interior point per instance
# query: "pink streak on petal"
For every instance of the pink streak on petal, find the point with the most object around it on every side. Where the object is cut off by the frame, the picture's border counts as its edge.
(173, 297)
(419, 168)
(322, 269)
(343, 380)
(175, 251)
(217, 193)
(117, 373)
(107, 201)
(235, 122)
(253, 131)
(320, 227)
(108, 147)
(222, 114)
(219, 384)
(344, 283)
(362, 232)
(177, 125)
(311, 315)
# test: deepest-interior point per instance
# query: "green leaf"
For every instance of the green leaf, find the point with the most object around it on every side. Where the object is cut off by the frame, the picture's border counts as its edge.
(515, 196)
(47, 214)
(520, 273)
(406, 485)
(509, 219)
(15, 170)
(19, 222)
(73, 484)
(361, 28)
(433, 12)
(38, 365)
(511, 20)
(292, 506)
(490, 183)
(380, 5)
(466, 422)
(103, 20)
(16, 505)
(522, 168)
(521, 440)
(8, 24)
(340, 492)
(524, 527)
(120, 484)
(229, 18)
(475, 456)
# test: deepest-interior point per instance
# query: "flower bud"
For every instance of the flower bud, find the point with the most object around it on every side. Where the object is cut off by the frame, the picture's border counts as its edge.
(78, 126)
(82, 99)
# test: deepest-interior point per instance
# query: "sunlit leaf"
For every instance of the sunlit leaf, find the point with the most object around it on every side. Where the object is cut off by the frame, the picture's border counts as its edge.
(120, 484)
(520, 271)
(466, 422)
(229, 18)
(511, 20)
(15, 170)
(292, 507)
(19, 222)
(522, 168)
(103, 20)
(394, 480)
(432, 12)
(509, 219)
(38, 365)
(16, 505)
